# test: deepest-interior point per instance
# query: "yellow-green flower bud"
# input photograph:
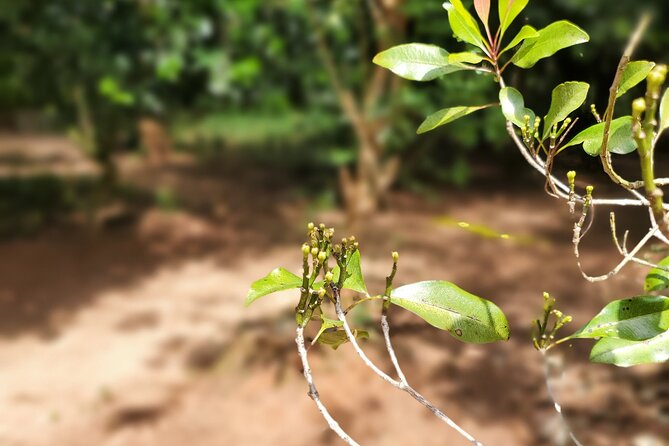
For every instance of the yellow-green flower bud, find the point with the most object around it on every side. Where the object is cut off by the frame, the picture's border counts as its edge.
(314, 252)
(329, 276)
(396, 256)
(321, 293)
(638, 107)
(305, 249)
(656, 78)
(588, 190)
(344, 241)
(571, 176)
(321, 256)
(321, 226)
(310, 226)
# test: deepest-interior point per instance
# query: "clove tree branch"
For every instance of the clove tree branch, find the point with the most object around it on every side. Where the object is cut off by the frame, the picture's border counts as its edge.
(313, 392)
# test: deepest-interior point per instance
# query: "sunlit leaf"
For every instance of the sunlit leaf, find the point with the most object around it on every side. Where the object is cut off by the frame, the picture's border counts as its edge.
(279, 279)
(626, 353)
(620, 138)
(635, 319)
(657, 278)
(513, 107)
(664, 112)
(565, 98)
(634, 73)
(482, 8)
(551, 39)
(336, 338)
(327, 324)
(417, 61)
(463, 24)
(446, 306)
(526, 32)
(508, 11)
(466, 57)
(354, 279)
(447, 115)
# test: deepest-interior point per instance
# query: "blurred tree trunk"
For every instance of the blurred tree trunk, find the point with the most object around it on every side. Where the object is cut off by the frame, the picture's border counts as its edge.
(364, 190)
(85, 120)
(155, 140)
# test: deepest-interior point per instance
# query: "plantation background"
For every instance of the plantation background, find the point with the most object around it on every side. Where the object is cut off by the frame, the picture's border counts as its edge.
(158, 156)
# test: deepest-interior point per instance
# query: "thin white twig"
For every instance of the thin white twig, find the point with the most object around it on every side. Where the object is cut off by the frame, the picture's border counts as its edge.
(622, 249)
(563, 192)
(313, 392)
(556, 405)
(402, 385)
(385, 328)
(628, 258)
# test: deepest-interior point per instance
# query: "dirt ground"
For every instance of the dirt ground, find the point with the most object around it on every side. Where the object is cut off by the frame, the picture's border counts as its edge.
(134, 333)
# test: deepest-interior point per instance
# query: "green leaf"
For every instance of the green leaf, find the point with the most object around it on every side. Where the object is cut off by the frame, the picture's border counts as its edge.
(634, 73)
(463, 24)
(448, 307)
(620, 138)
(508, 11)
(657, 279)
(635, 319)
(447, 115)
(526, 32)
(466, 57)
(664, 112)
(513, 107)
(279, 279)
(566, 98)
(417, 61)
(327, 324)
(482, 8)
(354, 280)
(551, 39)
(626, 353)
(336, 338)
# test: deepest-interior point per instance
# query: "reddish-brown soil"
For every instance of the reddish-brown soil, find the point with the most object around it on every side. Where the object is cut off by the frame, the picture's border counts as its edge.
(134, 333)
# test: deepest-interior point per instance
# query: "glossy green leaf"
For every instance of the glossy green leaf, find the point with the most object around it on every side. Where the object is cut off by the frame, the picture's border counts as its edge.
(327, 324)
(448, 307)
(635, 319)
(482, 8)
(417, 61)
(664, 112)
(279, 279)
(336, 338)
(634, 73)
(620, 138)
(466, 57)
(526, 32)
(513, 107)
(463, 24)
(447, 115)
(354, 280)
(565, 98)
(657, 278)
(508, 11)
(626, 353)
(551, 39)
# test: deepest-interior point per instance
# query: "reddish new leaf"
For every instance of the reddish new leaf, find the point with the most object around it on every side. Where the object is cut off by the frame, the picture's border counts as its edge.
(483, 10)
